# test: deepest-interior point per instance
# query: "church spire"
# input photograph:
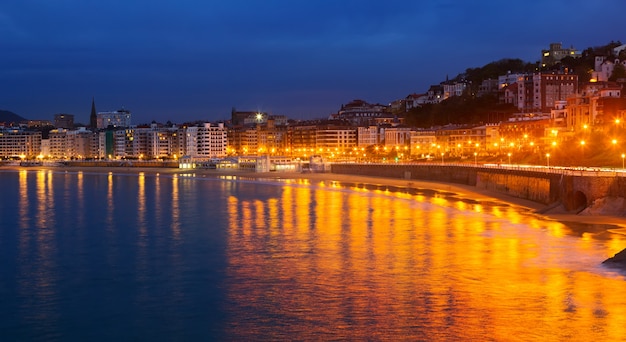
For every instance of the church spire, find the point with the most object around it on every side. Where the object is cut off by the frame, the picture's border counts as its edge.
(93, 118)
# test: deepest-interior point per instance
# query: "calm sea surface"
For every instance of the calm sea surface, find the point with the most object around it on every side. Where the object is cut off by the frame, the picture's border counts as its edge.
(113, 257)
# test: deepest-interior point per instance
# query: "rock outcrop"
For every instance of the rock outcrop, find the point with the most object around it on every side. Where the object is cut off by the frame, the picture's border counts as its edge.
(606, 206)
(618, 259)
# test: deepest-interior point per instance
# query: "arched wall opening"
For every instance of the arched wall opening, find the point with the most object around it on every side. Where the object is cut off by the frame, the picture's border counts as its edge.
(577, 201)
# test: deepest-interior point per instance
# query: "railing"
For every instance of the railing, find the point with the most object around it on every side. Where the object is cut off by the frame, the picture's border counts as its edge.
(561, 170)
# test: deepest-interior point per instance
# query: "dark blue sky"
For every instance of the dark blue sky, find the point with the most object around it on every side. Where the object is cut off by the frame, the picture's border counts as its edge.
(188, 60)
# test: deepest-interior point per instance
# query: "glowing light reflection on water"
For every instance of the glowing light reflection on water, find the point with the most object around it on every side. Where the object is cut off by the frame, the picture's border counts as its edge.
(164, 256)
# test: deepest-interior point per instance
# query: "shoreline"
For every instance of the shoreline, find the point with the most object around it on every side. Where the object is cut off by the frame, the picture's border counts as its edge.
(459, 190)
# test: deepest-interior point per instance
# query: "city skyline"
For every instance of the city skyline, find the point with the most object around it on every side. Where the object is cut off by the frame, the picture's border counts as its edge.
(189, 61)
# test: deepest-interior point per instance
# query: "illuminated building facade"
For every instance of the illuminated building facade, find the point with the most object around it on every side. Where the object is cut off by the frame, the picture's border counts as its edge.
(17, 143)
(117, 119)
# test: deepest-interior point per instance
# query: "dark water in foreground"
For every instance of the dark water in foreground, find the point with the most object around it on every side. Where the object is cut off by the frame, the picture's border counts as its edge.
(103, 257)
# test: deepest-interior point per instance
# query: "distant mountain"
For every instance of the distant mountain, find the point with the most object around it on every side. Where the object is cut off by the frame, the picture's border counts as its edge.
(9, 117)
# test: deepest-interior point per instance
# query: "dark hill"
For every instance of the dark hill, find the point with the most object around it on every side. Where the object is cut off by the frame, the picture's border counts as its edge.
(10, 117)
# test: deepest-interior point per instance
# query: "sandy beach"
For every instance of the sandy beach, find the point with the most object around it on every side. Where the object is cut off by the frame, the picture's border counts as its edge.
(459, 190)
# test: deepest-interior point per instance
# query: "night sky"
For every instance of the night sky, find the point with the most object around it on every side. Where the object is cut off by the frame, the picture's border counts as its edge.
(183, 60)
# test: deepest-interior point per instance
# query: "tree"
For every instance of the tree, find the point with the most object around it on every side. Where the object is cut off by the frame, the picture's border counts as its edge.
(619, 71)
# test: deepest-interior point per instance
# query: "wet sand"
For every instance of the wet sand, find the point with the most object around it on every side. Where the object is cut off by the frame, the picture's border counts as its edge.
(459, 190)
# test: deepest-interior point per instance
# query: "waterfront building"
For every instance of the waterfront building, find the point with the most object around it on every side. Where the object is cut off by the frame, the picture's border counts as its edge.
(206, 141)
(397, 136)
(423, 142)
(303, 138)
(272, 137)
(335, 139)
(461, 140)
(519, 131)
(57, 144)
(105, 144)
(45, 147)
(115, 119)
(259, 134)
(15, 142)
(143, 142)
(122, 143)
(161, 143)
(368, 136)
(82, 143)
(492, 137)
(69, 144)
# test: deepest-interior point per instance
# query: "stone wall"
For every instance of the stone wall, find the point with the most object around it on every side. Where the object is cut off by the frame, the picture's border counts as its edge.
(574, 191)
(535, 186)
(437, 173)
(517, 185)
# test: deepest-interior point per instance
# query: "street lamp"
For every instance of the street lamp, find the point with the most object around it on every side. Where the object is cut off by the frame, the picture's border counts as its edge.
(623, 156)
(475, 161)
(548, 156)
(442, 153)
(509, 155)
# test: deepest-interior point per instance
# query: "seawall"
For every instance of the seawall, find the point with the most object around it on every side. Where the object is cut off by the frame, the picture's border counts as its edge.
(536, 186)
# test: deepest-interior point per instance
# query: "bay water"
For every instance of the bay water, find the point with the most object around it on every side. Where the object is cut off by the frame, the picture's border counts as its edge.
(97, 256)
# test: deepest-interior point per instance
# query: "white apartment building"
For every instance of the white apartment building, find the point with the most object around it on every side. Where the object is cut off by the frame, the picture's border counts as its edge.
(161, 143)
(120, 139)
(206, 141)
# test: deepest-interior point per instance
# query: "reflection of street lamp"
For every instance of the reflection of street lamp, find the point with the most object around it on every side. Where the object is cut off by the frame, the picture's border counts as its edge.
(623, 156)
(475, 162)
(582, 149)
(442, 157)
(509, 155)
(548, 156)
